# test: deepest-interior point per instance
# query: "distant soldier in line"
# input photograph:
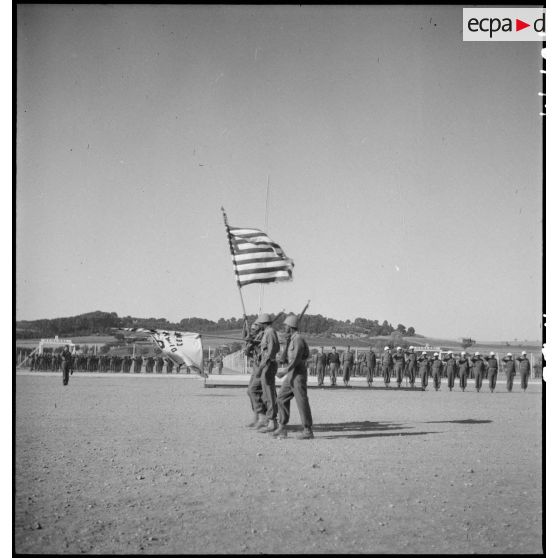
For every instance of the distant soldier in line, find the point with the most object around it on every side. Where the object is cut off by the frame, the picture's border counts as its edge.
(321, 363)
(170, 365)
(254, 391)
(463, 370)
(137, 364)
(357, 365)
(492, 370)
(411, 366)
(347, 360)
(524, 369)
(267, 368)
(370, 364)
(220, 364)
(66, 365)
(333, 360)
(295, 383)
(509, 369)
(478, 369)
(386, 363)
(424, 370)
(159, 364)
(210, 366)
(437, 367)
(398, 365)
(451, 368)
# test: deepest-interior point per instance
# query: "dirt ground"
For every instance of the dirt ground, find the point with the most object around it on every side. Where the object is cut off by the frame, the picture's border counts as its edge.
(124, 464)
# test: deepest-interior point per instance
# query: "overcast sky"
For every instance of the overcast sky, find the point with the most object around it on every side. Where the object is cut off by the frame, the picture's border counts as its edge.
(404, 164)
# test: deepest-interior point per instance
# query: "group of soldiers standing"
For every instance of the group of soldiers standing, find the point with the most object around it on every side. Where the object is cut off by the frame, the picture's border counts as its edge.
(106, 363)
(411, 364)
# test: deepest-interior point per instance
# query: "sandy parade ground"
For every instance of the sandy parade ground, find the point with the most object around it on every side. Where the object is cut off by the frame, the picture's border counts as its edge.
(146, 464)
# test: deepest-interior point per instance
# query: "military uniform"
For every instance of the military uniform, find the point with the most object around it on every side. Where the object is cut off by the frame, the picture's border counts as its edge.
(398, 366)
(424, 370)
(411, 366)
(255, 391)
(386, 363)
(463, 371)
(295, 384)
(437, 367)
(333, 361)
(492, 365)
(509, 369)
(269, 347)
(524, 371)
(451, 368)
(478, 371)
(347, 360)
(370, 357)
(66, 366)
(321, 363)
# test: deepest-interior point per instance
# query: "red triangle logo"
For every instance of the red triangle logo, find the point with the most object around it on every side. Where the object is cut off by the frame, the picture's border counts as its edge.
(519, 25)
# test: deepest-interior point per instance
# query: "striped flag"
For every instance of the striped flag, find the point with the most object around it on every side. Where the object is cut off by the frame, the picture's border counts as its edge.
(257, 258)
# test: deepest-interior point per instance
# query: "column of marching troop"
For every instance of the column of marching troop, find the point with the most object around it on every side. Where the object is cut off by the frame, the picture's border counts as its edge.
(409, 365)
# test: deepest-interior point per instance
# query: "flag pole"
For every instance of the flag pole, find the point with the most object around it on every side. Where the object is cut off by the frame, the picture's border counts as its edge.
(232, 255)
(266, 231)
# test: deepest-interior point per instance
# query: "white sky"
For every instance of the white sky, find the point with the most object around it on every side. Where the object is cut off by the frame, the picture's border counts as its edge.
(404, 164)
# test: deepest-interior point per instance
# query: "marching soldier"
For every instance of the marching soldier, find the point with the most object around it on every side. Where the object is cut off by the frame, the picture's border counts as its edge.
(492, 365)
(220, 364)
(478, 369)
(386, 365)
(333, 360)
(509, 369)
(295, 383)
(436, 366)
(524, 369)
(347, 360)
(463, 370)
(321, 363)
(424, 370)
(370, 360)
(398, 365)
(266, 370)
(451, 368)
(66, 365)
(251, 350)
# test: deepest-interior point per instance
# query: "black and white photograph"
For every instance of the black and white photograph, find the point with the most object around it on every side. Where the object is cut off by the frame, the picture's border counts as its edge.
(279, 279)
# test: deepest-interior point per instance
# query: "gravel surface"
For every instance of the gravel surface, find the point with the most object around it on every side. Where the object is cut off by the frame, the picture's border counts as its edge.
(142, 465)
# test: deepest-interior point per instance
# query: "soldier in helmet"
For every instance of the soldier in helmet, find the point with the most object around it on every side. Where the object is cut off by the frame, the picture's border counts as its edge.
(424, 369)
(509, 369)
(347, 360)
(255, 391)
(451, 368)
(295, 383)
(492, 364)
(436, 366)
(463, 370)
(370, 362)
(478, 369)
(411, 366)
(524, 369)
(386, 364)
(398, 365)
(266, 370)
(333, 360)
(66, 365)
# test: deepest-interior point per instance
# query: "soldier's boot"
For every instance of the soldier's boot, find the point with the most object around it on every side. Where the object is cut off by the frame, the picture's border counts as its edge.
(262, 421)
(269, 427)
(306, 434)
(254, 421)
(280, 432)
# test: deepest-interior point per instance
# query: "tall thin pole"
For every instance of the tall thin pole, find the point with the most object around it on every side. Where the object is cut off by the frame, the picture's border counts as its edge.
(266, 231)
(232, 255)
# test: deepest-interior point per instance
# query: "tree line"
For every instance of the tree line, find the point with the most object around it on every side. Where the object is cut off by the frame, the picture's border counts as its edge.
(102, 323)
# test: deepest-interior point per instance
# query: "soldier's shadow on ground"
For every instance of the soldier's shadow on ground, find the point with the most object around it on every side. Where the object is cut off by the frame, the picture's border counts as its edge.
(463, 421)
(365, 429)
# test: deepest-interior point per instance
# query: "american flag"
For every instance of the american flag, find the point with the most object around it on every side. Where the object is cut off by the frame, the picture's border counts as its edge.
(257, 258)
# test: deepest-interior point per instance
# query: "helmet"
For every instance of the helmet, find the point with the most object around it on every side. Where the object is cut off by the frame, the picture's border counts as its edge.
(491, 353)
(423, 352)
(477, 353)
(450, 352)
(523, 352)
(509, 354)
(411, 348)
(386, 348)
(398, 348)
(462, 353)
(435, 354)
(291, 320)
(263, 319)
